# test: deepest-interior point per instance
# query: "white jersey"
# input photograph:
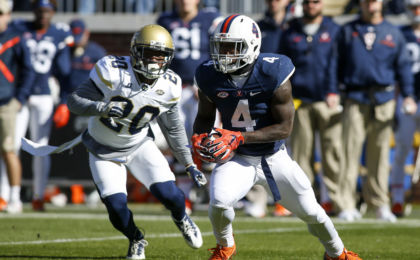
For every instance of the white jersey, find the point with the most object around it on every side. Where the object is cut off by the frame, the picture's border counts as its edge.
(115, 78)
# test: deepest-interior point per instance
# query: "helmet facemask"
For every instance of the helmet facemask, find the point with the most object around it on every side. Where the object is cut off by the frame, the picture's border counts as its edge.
(151, 61)
(229, 54)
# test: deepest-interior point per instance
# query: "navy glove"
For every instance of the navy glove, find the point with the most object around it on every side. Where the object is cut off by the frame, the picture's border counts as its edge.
(114, 109)
(196, 175)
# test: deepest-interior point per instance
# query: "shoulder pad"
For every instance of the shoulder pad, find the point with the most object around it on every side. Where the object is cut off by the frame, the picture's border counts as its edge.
(101, 74)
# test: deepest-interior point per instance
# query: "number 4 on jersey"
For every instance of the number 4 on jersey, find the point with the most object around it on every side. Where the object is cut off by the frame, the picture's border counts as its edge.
(242, 116)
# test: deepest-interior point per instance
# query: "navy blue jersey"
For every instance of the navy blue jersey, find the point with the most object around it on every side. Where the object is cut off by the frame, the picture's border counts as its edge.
(373, 56)
(413, 46)
(270, 34)
(50, 53)
(16, 74)
(315, 59)
(82, 65)
(247, 108)
(191, 41)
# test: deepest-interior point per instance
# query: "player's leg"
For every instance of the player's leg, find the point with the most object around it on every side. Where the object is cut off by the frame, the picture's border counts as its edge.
(330, 130)
(110, 179)
(375, 188)
(295, 192)
(403, 144)
(40, 122)
(151, 168)
(355, 118)
(8, 151)
(229, 183)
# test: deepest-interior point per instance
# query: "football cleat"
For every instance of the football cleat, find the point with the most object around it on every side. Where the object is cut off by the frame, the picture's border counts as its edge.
(346, 255)
(14, 207)
(136, 249)
(397, 210)
(222, 252)
(281, 211)
(38, 205)
(190, 232)
(3, 204)
(385, 214)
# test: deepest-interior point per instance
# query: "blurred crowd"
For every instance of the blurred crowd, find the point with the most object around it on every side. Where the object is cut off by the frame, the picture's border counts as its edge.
(355, 90)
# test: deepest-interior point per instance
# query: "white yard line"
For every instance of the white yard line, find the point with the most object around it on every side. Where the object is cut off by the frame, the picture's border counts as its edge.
(164, 235)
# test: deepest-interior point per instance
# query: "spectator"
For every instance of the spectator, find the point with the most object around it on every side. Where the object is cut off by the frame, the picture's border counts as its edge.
(408, 122)
(49, 46)
(190, 28)
(15, 90)
(309, 41)
(372, 57)
(85, 53)
(272, 24)
(141, 6)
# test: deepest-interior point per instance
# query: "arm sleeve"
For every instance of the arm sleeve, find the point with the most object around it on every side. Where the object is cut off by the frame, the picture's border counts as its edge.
(63, 69)
(403, 68)
(86, 100)
(173, 129)
(26, 72)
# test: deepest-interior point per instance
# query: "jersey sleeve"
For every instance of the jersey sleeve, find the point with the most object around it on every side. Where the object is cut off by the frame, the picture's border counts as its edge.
(101, 75)
(279, 65)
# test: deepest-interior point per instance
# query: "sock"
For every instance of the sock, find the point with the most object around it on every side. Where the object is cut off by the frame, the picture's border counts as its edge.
(121, 217)
(15, 193)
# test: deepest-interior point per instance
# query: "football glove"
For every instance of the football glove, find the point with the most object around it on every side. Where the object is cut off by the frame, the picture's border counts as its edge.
(200, 152)
(114, 109)
(196, 175)
(223, 143)
(61, 116)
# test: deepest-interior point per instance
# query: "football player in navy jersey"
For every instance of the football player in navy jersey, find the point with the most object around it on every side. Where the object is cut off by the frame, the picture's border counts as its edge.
(49, 46)
(408, 118)
(16, 76)
(190, 28)
(253, 93)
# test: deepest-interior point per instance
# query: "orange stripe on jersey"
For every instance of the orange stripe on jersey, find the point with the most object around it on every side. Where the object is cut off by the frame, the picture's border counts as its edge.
(10, 43)
(6, 72)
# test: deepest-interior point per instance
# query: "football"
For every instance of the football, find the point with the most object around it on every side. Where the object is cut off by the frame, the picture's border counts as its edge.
(214, 147)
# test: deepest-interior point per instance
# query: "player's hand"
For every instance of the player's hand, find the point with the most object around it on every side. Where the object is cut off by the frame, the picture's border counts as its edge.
(114, 109)
(196, 175)
(61, 116)
(227, 138)
(199, 152)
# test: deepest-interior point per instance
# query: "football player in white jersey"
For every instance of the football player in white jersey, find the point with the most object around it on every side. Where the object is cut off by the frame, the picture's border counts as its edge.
(253, 93)
(122, 95)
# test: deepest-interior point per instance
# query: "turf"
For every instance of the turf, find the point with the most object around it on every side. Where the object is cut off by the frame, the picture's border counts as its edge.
(84, 233)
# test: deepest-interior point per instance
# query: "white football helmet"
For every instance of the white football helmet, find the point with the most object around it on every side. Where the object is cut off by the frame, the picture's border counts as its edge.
(235, 43)
(152, 51)
(410, 3)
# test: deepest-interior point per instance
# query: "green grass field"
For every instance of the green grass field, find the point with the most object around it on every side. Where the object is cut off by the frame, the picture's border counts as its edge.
(79, 232)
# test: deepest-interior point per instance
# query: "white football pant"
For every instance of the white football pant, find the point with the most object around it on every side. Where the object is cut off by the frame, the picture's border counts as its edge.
(232, 180)
(147, 164)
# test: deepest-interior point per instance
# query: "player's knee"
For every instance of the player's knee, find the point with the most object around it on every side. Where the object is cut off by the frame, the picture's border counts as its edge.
(116, 203)
(227, 214)
(168, 194)
(311, 215)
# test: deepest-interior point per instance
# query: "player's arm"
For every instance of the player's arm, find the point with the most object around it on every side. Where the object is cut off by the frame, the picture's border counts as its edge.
(86, 100)
(173, 129)
(206, 114)
(283, 111)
